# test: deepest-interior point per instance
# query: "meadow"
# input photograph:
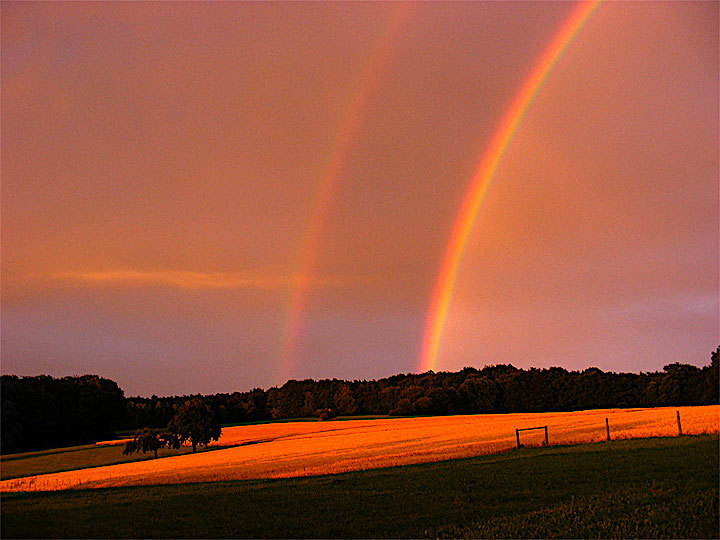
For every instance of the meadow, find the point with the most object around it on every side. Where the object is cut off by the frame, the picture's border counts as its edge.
(77, 457)
(636, 488)
(294, 449)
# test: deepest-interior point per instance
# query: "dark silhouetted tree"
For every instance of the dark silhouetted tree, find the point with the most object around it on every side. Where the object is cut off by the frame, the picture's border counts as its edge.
(42, 412)
(325, 414)
(195, 421)
(145, 440)
(492, 389)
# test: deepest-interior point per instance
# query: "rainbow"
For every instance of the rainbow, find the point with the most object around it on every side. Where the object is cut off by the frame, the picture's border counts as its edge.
(478, 189)
(347, 131)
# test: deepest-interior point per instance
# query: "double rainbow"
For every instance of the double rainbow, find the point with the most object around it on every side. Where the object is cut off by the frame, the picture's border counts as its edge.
(478, 189)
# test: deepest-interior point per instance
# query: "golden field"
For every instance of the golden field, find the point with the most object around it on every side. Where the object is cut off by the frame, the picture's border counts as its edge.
(312, 448)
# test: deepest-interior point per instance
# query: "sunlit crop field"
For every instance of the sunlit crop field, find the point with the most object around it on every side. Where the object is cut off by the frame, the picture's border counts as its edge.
(308, 448)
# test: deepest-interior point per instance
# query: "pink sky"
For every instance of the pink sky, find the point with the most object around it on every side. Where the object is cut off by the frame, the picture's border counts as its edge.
(160, 163)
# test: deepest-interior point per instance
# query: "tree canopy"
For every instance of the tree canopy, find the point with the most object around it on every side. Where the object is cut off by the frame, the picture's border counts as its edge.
(195, 421)
(491, 389)
(151, 440)
(40, 412)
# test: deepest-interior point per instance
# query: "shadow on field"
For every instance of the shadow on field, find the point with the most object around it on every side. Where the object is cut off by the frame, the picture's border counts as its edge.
(639, 488)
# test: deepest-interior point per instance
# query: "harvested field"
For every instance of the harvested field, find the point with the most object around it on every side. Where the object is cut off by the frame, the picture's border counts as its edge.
(306, 448)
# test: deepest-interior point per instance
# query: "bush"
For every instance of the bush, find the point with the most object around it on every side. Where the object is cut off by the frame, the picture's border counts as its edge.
(325, 414)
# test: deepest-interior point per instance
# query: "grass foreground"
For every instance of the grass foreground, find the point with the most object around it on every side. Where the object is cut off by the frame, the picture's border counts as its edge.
(658, 487)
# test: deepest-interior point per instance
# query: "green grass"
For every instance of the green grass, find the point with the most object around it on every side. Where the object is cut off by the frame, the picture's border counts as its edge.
(77, 457)
(44, 452)
(661, 487)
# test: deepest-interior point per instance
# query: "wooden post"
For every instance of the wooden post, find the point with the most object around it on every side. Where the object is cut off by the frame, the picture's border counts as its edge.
(547, 443)
(607, 428)
(679, 424)
(517, 436)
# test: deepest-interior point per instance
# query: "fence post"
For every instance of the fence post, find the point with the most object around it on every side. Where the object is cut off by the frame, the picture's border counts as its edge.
(607, 428)
(547, 443)
(517, 436)
(679, 425)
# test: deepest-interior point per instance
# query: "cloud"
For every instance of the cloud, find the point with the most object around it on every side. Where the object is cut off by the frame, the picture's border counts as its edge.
(184, 279)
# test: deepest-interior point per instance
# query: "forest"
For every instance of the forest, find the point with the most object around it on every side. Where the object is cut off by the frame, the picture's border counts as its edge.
(45, 412)
(41, 412)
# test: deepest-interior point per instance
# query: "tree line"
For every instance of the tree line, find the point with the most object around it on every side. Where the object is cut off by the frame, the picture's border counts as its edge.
(42, 412)
(193, 422)
(492, 389)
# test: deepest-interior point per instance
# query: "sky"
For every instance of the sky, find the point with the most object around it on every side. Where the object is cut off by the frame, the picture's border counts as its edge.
(212, 197)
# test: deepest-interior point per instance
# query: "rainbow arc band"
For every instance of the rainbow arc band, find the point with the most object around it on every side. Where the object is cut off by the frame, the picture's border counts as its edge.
(478, 189)
(348, 129)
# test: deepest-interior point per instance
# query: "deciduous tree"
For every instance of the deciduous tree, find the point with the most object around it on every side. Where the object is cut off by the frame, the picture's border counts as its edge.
(195, 421)
(145, 440)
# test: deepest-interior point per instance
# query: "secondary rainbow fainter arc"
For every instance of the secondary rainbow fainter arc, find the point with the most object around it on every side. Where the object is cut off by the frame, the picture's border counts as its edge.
(478, 189)
(350, 125)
